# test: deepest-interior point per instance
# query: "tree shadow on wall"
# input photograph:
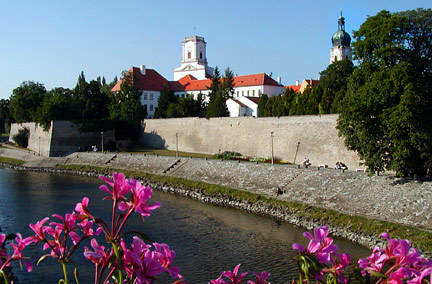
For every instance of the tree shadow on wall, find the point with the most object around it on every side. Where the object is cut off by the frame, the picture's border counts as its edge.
(153, 140)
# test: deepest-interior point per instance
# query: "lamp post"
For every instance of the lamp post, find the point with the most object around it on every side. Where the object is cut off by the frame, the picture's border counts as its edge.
(176, 145)
(298, 145)
(272, 156)
(102, 142)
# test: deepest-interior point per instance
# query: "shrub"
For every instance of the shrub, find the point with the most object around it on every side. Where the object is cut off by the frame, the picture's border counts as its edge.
(21, 138)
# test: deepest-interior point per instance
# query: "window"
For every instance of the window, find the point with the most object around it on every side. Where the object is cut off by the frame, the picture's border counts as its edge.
(145, 96)
(189, 55)
(151, 97)
(151, 107)
(253, 93)
(242, 93)
(248, 92)
(200, 55)
(237, 93)
(145, 107)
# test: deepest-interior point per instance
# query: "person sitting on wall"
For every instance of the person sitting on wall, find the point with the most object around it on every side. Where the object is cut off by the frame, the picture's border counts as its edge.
(306, 163)
(278, 191)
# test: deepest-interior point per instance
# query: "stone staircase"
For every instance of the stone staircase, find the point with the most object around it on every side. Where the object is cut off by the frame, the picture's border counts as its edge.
(293, 178)
(175, 166)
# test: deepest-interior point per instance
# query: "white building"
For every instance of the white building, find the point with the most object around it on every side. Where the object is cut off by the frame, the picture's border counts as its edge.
(194, 60)
(192, 78)
(341, 42)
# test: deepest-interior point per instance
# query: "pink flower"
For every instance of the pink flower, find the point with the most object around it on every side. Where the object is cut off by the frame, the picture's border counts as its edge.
(339, 266)
(81, 208)
(373, 263)
(140, 195)
(166, 257)
(320, 245)
(17, 251)
(219, 280)
(260, 278)
(39, 231)
(232, 276)
(118, 184)
(99, 256)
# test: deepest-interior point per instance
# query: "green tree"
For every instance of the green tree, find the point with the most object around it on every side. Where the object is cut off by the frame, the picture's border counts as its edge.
(57, 105)
(334, 85)
(126, 104)
(26, 100)
(166, 98)
(386, 113)
(221, 89)
(261, 105)
(5, 116)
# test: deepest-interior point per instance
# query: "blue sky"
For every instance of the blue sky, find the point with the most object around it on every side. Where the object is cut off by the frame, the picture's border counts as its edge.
(51, 42)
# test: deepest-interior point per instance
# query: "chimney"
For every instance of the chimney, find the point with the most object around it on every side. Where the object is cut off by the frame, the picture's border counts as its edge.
(311, 81)
(143, 69)
(278, 80)
(297, 82)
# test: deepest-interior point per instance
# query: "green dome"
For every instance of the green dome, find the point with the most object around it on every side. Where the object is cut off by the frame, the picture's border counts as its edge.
(342, 38)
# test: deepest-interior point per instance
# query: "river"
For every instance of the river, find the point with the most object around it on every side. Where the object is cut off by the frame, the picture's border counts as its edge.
(207, 239)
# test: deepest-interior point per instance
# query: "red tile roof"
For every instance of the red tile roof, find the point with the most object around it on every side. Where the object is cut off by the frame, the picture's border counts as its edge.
(254, 99)
(296, 88)
(254, 80)
(151, 81)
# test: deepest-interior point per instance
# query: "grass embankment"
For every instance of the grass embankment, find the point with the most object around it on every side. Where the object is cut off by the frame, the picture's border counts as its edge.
(12, 161)
(166, 152)
(421, 239)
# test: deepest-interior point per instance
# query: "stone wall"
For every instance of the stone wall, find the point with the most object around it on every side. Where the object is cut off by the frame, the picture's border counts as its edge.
(61, 138)
(294, 138)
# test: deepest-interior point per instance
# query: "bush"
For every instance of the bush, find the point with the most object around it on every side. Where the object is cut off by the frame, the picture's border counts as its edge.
(21, 138)
(227, 155)
(125, 145)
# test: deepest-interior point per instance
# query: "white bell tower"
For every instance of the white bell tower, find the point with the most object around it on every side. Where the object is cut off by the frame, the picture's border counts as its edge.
(341, 43)
(194, 59)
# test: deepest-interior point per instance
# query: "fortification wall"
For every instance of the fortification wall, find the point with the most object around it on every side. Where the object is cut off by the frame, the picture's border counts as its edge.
(39, 140)
(294, 137)
(62, 137)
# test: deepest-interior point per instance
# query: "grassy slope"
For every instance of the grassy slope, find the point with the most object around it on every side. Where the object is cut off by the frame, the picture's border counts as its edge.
(420, 239)
(6, 160)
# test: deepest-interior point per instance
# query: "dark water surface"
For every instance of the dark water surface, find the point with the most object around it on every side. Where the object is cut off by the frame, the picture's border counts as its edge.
(207, 239)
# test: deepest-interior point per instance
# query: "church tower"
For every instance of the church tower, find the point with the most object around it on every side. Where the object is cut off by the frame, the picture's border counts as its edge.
(341, 41)
(194, 59)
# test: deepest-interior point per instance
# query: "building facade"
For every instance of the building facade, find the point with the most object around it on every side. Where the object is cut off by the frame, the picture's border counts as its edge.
(192, 78)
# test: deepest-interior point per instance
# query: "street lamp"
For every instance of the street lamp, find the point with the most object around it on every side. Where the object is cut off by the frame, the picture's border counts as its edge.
(298, 145)
(102, 142)
(271, 135)
(176, 145)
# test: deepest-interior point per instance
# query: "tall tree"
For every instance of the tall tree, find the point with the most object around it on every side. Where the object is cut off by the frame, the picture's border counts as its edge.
(261, 105)
(5, 116)
(334, 85)
(386, 113)
(166, 98)
(221, 89)
(26, 100)
(126, 104)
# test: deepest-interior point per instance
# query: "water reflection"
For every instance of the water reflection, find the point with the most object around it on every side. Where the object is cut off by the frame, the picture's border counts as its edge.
(207, 239)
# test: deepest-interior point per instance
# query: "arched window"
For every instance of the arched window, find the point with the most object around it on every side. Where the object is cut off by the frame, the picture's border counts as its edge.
(189, 55)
